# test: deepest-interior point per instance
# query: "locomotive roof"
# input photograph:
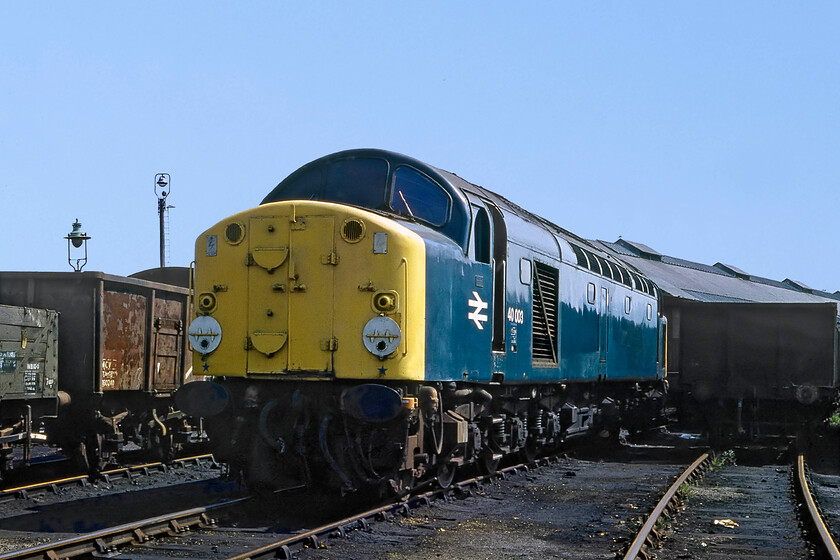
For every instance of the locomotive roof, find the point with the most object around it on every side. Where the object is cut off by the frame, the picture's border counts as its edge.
(454, 185)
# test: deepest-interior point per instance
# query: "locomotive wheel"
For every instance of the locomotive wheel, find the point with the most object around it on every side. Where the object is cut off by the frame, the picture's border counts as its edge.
(487, 463)
(530, 451)
(445, 474)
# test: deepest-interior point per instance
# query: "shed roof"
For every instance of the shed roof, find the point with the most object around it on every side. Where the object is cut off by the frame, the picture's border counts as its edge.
(720, 283)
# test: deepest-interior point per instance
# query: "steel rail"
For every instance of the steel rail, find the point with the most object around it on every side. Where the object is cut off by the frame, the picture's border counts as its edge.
(283, 548)
(107, 540)
(22, 491)
(829, 547)
(644, 536)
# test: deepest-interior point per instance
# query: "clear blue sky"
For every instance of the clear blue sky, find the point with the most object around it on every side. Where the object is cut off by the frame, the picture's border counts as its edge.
(706, 130)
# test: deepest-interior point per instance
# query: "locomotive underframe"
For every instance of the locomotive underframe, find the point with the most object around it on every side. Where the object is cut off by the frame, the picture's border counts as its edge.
(277, 435)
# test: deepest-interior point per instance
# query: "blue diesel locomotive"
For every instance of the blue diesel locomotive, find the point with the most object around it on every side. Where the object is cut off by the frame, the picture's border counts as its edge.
(377, 321)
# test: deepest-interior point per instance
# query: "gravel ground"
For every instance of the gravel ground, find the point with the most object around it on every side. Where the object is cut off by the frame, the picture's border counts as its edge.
(574, 509)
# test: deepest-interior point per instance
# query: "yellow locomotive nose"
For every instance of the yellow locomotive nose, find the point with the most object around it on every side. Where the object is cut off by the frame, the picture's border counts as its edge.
(311, 289)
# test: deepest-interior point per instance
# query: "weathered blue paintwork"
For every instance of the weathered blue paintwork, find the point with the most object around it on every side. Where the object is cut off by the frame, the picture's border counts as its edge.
(456, 348)
(607, 324)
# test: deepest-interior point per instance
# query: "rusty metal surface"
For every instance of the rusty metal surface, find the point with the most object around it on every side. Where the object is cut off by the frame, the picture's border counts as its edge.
(108, 325)
(124, 340)
(168, 344)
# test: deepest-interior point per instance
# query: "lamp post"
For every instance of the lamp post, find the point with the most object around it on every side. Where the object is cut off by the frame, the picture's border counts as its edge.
(76, 239)
(161, 190)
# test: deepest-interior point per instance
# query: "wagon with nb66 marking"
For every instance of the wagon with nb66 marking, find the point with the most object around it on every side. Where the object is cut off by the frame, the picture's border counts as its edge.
(121, 356)
(28, 378)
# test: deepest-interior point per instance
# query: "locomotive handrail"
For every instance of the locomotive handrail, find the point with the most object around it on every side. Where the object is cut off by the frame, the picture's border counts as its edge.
(404, 262)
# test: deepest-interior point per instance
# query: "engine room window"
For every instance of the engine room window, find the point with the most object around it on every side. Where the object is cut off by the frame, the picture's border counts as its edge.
(417, 196)
(590, 293)
(649, 312)
(525, 271)
(627, 304)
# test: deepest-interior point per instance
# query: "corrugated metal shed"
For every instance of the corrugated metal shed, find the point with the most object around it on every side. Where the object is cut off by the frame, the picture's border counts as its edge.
(720, 283)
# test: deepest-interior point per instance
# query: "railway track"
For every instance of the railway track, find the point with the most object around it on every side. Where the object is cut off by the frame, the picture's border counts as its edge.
(572, 507)
(744, 512)
(140, 536)
(108, 541)
(129, 472)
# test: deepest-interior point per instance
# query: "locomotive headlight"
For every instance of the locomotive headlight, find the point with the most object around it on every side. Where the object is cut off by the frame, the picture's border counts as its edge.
(385, 302)
(205, 334)
(206, 302)
(381, 336)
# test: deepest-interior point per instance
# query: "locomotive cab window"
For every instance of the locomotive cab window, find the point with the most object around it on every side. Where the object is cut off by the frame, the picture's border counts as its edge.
(356, 181)
(418, 197)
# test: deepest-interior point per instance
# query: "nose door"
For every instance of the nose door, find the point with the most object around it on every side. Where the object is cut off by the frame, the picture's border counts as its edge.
(291, 285)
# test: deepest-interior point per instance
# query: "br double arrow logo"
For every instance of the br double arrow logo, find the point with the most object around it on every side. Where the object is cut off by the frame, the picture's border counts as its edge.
(477, 315)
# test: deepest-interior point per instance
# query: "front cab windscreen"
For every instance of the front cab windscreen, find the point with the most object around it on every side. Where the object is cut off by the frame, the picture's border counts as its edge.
(363, 182)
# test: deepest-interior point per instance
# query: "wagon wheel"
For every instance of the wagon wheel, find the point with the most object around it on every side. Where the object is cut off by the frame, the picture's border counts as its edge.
(162, 447)
(94, 455)
(445, 474)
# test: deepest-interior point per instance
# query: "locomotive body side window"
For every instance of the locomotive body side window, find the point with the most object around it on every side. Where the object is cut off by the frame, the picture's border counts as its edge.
(481, 236)
(417, 196)
(590, 292)
(525, 271)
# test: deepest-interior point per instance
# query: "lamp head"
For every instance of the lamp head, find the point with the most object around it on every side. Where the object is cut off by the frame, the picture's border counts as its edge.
(77, 237)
